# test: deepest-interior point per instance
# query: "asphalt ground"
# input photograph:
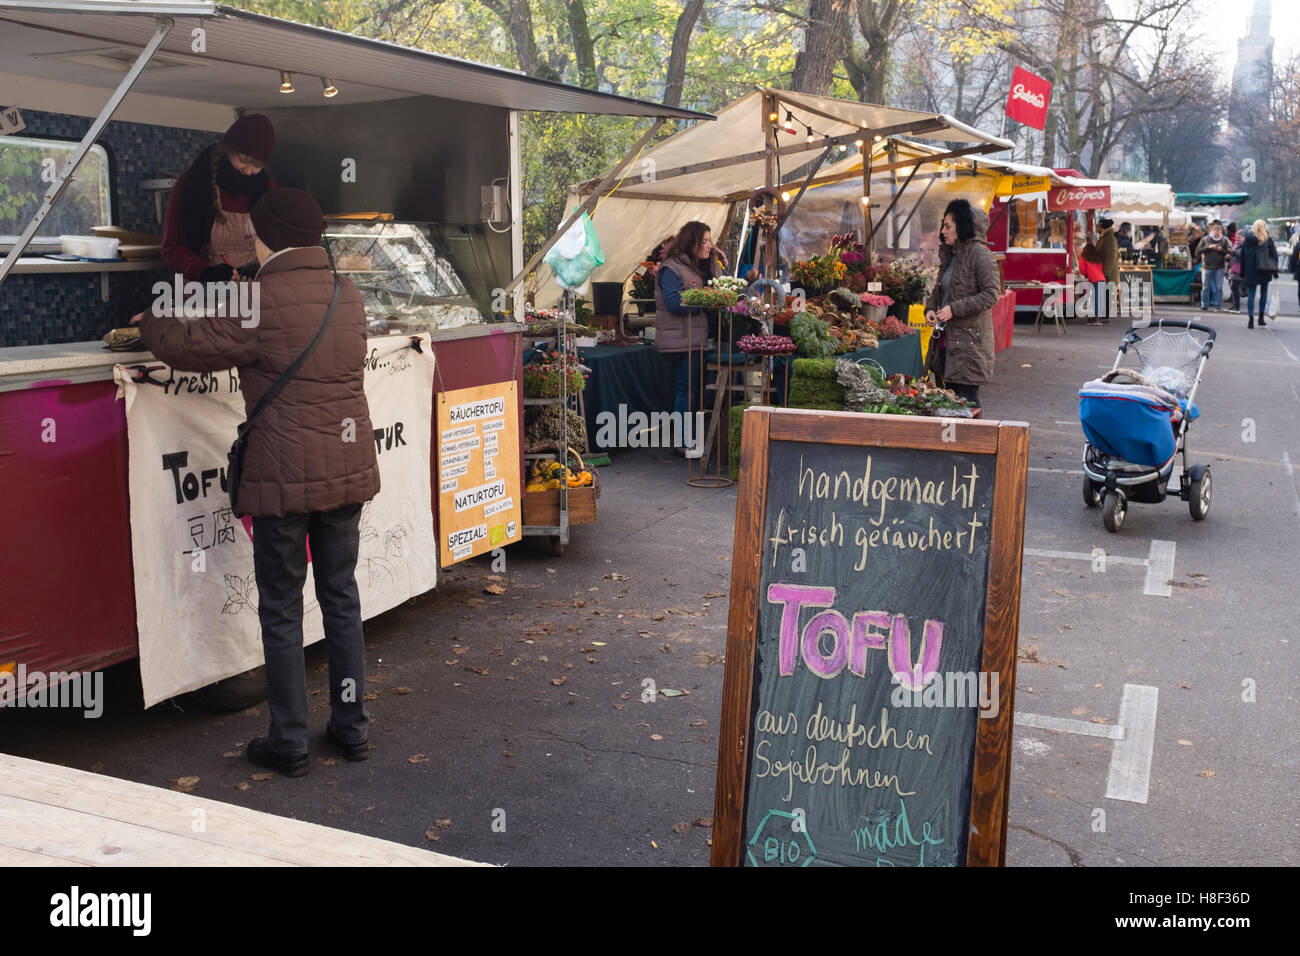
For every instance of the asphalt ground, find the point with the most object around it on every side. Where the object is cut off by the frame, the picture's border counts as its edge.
(510, 728)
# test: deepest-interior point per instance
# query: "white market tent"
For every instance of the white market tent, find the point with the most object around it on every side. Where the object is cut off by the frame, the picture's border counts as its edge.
(698, 173)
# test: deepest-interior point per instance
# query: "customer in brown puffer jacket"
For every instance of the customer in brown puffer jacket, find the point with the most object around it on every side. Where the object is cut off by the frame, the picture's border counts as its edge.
(309, 465)
(963, 297)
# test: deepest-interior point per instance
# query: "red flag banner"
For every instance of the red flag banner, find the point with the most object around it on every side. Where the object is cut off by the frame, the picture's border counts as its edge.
(1078, 197)
(1027, 102)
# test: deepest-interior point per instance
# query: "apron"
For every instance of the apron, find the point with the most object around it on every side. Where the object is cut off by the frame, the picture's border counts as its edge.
(232, 239)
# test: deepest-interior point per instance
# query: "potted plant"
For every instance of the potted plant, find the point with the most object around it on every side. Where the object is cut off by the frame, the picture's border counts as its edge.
(644, 277)
(875, 305)
(819, 274)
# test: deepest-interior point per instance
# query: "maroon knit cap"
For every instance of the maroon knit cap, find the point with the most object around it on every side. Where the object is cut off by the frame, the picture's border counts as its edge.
(287, 217)
(253, 135)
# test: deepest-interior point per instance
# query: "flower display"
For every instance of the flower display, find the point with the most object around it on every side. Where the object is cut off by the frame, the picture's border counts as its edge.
(819, 271)
(871, 298)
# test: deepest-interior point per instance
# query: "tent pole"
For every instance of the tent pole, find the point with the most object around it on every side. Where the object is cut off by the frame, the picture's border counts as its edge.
(868, 230)
(591, 200)
(162, 26)
(768, 257)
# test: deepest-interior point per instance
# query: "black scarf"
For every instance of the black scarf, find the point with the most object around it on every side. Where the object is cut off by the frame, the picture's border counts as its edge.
(197, 214)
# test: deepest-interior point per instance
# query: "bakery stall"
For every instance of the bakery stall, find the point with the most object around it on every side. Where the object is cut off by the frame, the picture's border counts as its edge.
(416, 159)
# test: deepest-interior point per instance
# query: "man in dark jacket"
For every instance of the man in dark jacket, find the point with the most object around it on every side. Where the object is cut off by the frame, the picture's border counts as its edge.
(305, 471)
(1108, 246)
(1213, 252)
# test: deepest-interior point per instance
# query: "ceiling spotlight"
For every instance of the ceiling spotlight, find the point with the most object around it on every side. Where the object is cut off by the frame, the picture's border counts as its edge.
(330, 88)
(877, 139)
(857, 143)
(286, 82)
(785, 197)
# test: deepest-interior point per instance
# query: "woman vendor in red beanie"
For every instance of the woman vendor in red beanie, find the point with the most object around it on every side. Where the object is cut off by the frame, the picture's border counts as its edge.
(207, 235)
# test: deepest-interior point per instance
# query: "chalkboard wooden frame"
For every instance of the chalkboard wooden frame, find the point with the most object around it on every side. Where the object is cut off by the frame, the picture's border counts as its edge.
(1008, 442)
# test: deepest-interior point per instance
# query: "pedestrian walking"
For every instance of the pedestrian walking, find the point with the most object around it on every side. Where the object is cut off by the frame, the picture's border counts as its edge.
(1258, 268)
(299, 478)
(1295, 265)
(1108, 248)
(1213, 252)
(1234, 267)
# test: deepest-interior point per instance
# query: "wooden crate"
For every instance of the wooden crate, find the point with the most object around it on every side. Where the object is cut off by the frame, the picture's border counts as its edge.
(543, 507)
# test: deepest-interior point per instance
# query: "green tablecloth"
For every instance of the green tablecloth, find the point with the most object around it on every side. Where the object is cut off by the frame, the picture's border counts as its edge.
(1172, 282)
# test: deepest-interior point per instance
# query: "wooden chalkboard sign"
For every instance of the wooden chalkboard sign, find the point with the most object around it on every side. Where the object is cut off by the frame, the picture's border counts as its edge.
(871, 643)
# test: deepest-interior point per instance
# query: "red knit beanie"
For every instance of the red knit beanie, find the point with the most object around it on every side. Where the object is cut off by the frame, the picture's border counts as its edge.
(253, 135)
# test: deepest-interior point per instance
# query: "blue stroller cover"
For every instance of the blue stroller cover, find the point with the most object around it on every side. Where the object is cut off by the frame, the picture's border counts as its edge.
(1135, 422)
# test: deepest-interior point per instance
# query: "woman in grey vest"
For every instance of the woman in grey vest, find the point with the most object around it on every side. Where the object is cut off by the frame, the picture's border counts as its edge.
(682, 333)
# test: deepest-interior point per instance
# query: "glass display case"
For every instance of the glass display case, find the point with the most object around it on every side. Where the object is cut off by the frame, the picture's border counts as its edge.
(409, 284)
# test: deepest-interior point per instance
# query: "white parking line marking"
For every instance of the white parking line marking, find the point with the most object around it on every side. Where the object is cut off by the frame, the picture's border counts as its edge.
(1058, 471)
(1160, 569)
(1084, 556)
(1290, 473)
(1284, 348)
(1067, 423)
(1130, 760)
(1067, 726)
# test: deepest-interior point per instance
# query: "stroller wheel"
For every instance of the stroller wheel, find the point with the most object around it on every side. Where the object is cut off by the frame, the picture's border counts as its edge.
(1091, 495)
(1199, 501)
(1113, 509)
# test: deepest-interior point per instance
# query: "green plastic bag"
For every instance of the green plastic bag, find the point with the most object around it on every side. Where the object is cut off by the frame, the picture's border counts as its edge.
(577, 254)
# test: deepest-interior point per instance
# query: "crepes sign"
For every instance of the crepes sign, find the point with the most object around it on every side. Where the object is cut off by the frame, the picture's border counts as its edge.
(1078, 197)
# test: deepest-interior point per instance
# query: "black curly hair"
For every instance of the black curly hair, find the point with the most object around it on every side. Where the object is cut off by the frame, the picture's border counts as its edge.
(962, 218)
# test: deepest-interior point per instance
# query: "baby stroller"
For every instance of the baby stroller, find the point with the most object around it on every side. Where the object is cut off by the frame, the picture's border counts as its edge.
(1136, 422)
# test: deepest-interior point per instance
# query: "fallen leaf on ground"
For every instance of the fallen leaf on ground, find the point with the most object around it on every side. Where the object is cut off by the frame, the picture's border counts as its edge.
(598, 643)
(431, 835)
(699, 722)
(260, 777)
(656, 736)
(370, 697)
(185, 784)
(654, 845)
(1079, 711)
(1184, 743)
(460, 650)
(1205, 773)
(417, 758)
(481, 671)
(713, 594)
(670, 692)
(401, 690)
(666, 648)
(228, 753)
(559, 681)
(658, 617)
(442, 824)
(1183, 685)
(625, 696)
(579, 602)
(243, 785)
(703, 821)
(615, 576)
(1099, 720)
(494, 589)
(681, 827)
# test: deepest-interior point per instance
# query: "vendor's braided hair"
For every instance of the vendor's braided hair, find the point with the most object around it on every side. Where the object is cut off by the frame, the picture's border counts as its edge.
(220, 151)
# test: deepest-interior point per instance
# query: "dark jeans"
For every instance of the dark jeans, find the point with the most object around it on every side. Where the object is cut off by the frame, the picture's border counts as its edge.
(688, 382)
(1250, 299)
(280, 562)
(969, 392)
(1235, 282)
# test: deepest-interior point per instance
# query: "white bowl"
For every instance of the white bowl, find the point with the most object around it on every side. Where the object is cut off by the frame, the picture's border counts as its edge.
(89, 247)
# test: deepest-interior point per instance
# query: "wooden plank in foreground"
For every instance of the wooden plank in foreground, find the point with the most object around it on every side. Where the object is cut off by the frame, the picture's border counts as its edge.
(68, 817)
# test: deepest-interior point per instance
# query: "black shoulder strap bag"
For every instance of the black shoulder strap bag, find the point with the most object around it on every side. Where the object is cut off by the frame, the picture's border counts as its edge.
(235, 458)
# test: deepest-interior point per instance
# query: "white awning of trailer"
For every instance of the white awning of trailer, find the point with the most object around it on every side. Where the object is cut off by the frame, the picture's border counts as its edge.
(1128, 199)
(237, 61)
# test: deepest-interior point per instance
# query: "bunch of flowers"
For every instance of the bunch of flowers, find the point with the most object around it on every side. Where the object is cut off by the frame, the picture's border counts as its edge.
(542, 375)
(904, 280)
(819, 271)
(720, 294)
(643, 280)
(730, 283)
(871, 298)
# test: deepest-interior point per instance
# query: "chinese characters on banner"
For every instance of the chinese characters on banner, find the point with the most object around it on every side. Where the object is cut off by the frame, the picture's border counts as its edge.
(479, 498)
(195, 590)
(1028, 99)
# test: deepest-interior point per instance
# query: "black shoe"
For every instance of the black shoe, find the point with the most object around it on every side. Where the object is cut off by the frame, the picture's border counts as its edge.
(354, 753)
(1251, 324)
(260, 753)
(1262, 323)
